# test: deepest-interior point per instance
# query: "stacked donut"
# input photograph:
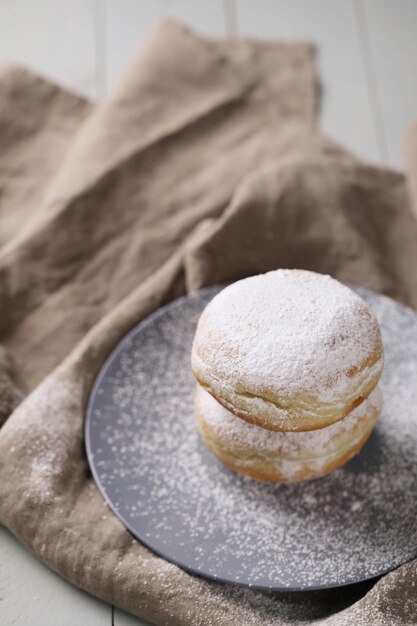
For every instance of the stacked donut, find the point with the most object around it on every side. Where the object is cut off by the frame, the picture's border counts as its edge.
(287, 365)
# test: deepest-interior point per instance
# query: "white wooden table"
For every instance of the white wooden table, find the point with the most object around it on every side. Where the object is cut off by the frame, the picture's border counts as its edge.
(367, 58)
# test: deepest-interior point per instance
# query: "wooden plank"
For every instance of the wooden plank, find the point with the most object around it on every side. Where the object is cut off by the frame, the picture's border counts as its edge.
(32, 594)
(52, 37)
(100, 43)
(392, 29)
(346, 113)
(128, 22)
(230, 17)
(126, 619)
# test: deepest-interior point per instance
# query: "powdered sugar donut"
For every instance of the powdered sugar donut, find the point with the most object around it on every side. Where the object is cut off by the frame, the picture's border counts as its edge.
(284, 456)
(290, 350)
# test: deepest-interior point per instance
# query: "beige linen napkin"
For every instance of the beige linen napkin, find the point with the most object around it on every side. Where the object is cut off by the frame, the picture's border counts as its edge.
(203, 166)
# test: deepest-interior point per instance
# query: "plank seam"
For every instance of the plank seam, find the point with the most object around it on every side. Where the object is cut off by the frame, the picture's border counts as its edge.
(230, 18)
(368, 61)
(100, 36)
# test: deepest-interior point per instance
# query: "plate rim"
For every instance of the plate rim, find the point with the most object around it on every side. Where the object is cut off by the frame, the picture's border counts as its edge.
(120, 345)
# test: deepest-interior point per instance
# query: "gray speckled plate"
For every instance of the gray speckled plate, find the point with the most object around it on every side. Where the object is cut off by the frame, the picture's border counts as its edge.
(173, 495)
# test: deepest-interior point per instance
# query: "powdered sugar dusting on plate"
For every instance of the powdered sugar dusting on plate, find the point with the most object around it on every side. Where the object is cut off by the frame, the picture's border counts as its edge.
(156, 474)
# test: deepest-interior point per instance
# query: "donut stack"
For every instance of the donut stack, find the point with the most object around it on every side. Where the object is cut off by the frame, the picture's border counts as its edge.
(287, 365)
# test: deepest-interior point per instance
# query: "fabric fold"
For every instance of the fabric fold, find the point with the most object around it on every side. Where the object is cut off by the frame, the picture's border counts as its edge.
(410, 156)
(293, 201)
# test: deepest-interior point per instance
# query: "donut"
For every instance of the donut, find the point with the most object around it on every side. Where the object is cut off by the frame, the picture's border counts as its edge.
(290, 350)
(283, 456)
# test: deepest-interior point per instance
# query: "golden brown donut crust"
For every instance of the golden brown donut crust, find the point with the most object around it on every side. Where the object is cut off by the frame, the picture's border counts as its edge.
(288, 463)
(303, 424)
(272, 474)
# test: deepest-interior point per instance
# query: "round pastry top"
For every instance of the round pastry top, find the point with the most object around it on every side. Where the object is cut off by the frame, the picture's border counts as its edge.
(280, 335)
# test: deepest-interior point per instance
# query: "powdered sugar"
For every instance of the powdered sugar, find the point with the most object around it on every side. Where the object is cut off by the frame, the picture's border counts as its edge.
(44, 469)
(51, 439)
(290, 338)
